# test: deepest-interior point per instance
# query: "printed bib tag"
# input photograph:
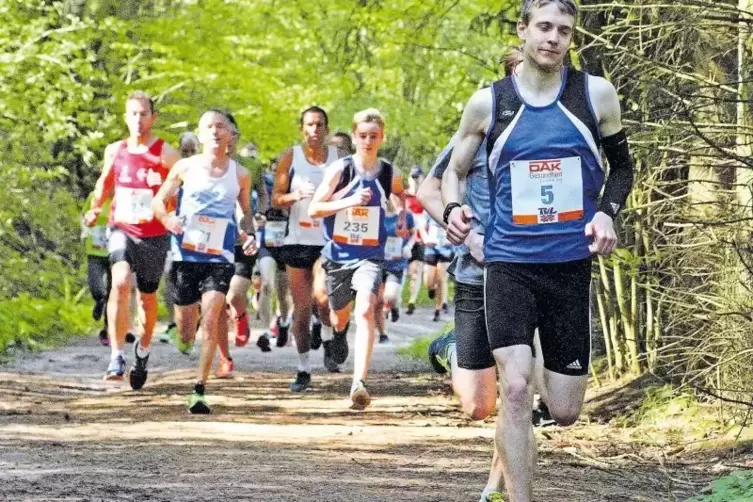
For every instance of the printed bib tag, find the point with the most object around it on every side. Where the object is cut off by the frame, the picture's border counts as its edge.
(205, 234)
(357, 226)
(274, 233)
(133, 205)
(393, 249)
(546, 191)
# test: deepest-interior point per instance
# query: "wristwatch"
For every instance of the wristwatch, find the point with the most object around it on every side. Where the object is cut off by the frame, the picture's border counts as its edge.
(448, 209)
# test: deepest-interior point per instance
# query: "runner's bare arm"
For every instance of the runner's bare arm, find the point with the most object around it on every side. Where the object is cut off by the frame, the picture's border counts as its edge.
(261, 191)
(281, 198)
(473, 126)
(429, 194)
(398, 188)
(106, 181)
(169, 155)
(168, 190)
(246, 221)
(321, 205)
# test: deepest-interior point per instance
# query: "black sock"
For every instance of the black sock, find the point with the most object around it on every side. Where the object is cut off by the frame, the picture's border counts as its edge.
(199, 388)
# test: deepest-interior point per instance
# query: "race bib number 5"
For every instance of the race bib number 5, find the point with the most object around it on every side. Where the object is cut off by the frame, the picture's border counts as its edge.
(357, 226)
(546, 191)
(133, 205)
(203, 234)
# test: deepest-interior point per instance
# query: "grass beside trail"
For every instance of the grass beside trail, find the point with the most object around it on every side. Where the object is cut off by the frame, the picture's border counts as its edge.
(419, 348)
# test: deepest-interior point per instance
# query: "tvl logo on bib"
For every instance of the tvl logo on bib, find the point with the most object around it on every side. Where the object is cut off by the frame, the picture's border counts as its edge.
(547, 215)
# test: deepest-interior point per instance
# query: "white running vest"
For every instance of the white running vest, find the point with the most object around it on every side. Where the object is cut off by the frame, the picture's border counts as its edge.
(302, 229)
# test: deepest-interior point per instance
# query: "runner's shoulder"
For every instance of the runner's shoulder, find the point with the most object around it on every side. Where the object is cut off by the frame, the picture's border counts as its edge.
(183, 165)
(170, 156)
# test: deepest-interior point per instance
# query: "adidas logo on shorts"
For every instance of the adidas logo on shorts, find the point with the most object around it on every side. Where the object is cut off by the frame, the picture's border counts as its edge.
(575, 365)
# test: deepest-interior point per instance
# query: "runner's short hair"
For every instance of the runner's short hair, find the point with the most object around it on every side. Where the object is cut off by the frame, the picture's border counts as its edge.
(228, 116)
(369, 115)
(315, 109)
(142, 96)
(565, 6)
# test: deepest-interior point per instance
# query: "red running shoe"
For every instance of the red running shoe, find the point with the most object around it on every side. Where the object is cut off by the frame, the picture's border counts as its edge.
(242, 331)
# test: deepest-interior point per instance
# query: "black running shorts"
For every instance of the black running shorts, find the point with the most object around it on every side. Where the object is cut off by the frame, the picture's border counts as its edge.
(244, 264)
(470, 328)
(555, 297)
(146, 257)
(191, 280)
(299, 256)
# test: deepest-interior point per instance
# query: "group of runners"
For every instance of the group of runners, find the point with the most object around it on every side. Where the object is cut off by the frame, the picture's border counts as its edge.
(517, 205)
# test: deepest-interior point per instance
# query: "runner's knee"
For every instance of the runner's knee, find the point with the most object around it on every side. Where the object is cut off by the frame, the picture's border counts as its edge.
(478, 407)
(564, 413)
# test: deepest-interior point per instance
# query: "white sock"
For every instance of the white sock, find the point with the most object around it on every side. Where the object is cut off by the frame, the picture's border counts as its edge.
(142, 352)
(283, 322)
(114, 353)
(327, 333)
(304, 364)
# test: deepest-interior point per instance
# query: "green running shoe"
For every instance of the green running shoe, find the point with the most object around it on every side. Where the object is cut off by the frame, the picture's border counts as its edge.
(197, 404)
(183, 347)
(439, 351)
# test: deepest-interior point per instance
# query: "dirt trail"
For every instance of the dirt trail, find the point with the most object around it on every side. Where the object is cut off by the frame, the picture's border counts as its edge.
(67, 435)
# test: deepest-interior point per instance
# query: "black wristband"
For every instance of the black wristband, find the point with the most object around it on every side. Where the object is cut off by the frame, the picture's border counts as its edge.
(448, 209)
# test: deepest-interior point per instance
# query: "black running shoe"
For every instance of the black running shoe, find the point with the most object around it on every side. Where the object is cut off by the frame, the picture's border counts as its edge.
(329, 362)
(540, 415)
(411, 308)
(384, 338)
(103, 338)
(98, 310)
(302, 382)
(282, 334)
(436, 316)
(315, 340)
(445, 308)
(395, 312)
(439, 352)
(130, 337)
(263, 343)
(138, 373)
(339, 345)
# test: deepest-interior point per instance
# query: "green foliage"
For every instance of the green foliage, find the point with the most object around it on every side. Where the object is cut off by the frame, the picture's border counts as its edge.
(661, 403)
(419, 348)
(27, 322)
(734, 487)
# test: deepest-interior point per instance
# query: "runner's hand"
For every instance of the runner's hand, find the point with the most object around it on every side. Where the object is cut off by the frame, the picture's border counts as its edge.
(402, 225)
(459, 224)
(601, 229)
(249, 243)
(361, 197)
(173, 224)
(475, 243)
(90, 217)
(306, 191)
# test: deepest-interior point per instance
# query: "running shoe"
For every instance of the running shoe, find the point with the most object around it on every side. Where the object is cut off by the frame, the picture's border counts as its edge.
(395, 312)
(329, 361)
(183, 346)
(436, 316)
(225, 368)
(540, 415)
(197, 404)
(103, 338)
(242, 331)
(263, 342)
(316, 336)
(339, 345)
(116, 370)
(282, 334)
(439, 352)
(360, 396)
(445, 308)
(383, 338)
(411, 308)
(492, 497)
(138, 373)
(168, 335)
(302, 382)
